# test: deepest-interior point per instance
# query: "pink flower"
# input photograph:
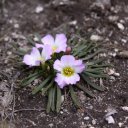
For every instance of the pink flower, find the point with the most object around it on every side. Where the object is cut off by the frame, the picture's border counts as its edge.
(68, 69)
(35, 57)
(57, 45)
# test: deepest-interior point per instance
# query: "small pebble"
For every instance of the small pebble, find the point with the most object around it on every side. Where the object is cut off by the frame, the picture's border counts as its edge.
(116, 50)
(86, 118)
(39, 9)
(110, 111)
(36, 39)
(82, 123)
(51, 125)
(116, 74)
(120, 26)
(125, 108)
(112, 78)
(6, 38)
(95, 38)
(111, 72)
(62, 98)
(73, 22)
(61, 112)
(124, 41)
(110, 120)
(16, 25)
(74, 122)
(113, 18)
(120, 124)
(93, 122)
(9, 53)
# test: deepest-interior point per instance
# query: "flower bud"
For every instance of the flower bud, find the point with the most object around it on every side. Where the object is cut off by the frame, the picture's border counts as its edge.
(68, 50)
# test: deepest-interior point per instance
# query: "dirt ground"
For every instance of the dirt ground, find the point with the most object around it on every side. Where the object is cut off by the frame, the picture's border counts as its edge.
(21, 18)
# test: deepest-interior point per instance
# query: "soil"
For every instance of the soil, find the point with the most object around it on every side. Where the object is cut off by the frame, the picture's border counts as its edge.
(19, 20)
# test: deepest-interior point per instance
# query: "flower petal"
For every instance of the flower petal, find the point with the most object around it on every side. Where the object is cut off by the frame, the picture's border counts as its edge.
(35, 53)
(46, 52)
(72, 80)
(60, 41)
(39, 45)
(29, 60)
(58, 65)
(48, 39)
(60, 81)
(78, 62)
(78, 66)
(68, 60)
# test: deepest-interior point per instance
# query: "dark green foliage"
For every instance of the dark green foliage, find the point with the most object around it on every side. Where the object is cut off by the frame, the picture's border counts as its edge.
(74, 97)
(58, 99)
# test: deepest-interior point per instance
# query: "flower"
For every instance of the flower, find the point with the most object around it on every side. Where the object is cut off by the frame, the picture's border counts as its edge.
(57, 45)
(35, 58)
(68, 69)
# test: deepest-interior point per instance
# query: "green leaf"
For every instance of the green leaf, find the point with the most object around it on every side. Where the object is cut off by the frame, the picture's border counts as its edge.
(20, 52)
(93, 54)
(53, 98)
(101, 66)
(74, 97)
(79, 49)
(95, 75)
(58, 102)
(97, 70)
(86, 79)
(47, 87)
(94, 62)
(30, 79)
(38, 36)
(85, 90)
(30, 41)
(49, 100)
(89, 48)
(37, 89)
(31, 75)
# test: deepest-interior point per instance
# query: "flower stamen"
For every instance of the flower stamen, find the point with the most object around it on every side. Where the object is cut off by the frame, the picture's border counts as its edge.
(68, 71)
(54, 48)
(41, 59)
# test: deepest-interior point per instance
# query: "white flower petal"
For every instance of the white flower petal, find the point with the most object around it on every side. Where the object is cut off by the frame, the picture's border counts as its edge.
(60, 42)
(60, 81)
(48, 39)
(58, 65)
(29, 60)
(79, 68)
(46, 52)
(68, 60)
(35, 53)
(72, 80)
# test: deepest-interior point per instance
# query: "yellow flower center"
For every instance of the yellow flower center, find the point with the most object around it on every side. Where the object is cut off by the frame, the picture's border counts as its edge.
(41, 59)
(68, 71)
(54, 48)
